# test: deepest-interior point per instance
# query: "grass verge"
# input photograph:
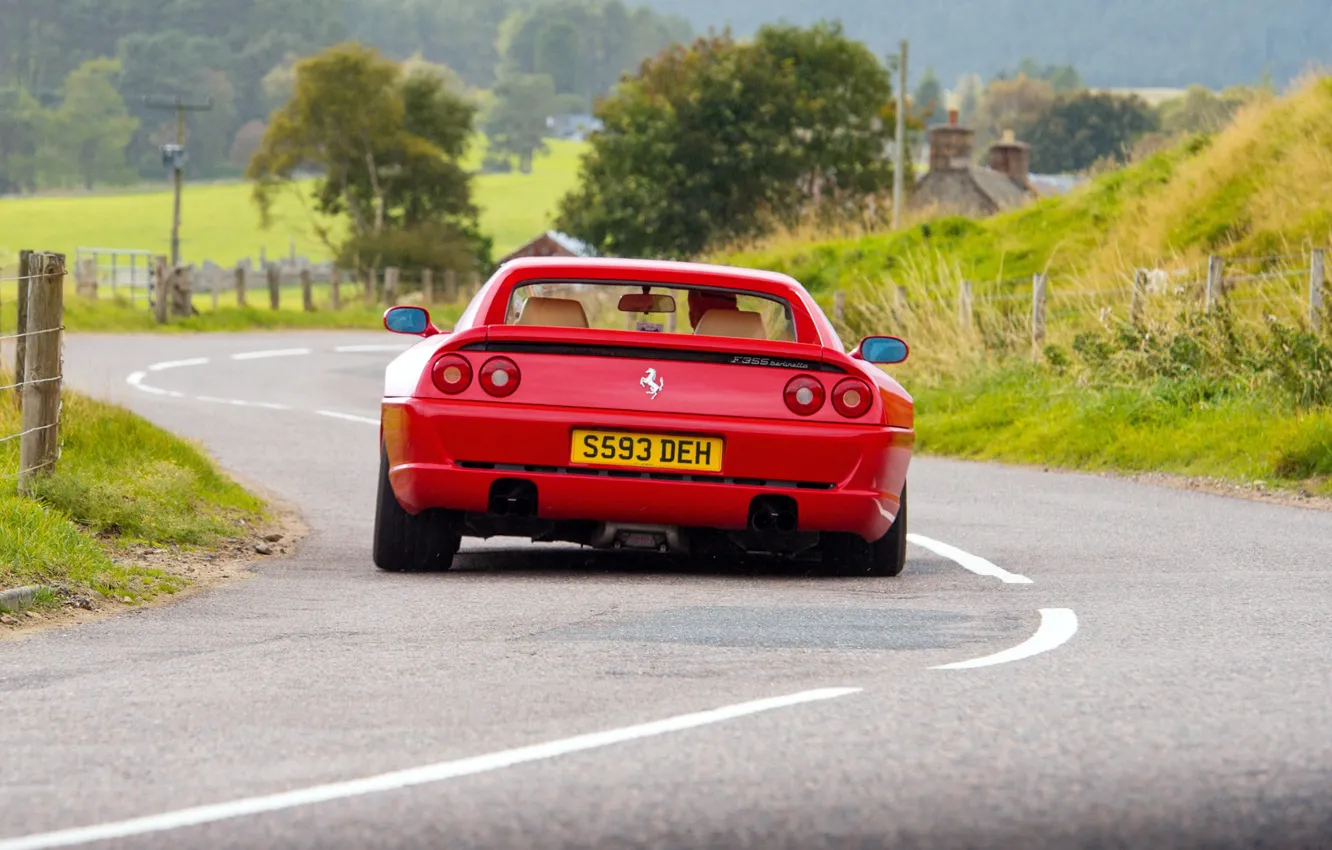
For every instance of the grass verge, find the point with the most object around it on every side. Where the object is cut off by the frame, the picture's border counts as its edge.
(122, 487)
(1023, 415)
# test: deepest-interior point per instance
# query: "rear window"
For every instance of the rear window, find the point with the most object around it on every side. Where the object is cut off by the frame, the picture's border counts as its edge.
(651, 308)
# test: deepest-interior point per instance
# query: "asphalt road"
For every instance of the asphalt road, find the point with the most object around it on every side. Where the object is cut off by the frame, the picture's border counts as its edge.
(1191, 708)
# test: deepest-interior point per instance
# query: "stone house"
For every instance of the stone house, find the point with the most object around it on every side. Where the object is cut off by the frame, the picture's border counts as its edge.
(552, 243)
(955, 184)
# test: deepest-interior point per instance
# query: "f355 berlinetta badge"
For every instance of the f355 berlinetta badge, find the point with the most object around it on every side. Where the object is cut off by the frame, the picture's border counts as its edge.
(650, 383)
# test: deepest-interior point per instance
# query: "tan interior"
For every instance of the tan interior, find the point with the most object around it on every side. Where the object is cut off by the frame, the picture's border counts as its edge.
(553, 313)
(736, 323)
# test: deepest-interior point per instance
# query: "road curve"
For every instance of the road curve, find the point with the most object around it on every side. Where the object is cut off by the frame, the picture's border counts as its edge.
(1068, 661)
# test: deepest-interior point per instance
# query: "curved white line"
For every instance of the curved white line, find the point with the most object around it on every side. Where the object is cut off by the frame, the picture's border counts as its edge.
(966, 560)
(411, 777)
(277, 352)
(1057, 626)
(176, 364)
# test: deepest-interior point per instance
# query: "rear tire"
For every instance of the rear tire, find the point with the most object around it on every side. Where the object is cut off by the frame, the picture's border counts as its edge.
(403, 542)
(851, 555)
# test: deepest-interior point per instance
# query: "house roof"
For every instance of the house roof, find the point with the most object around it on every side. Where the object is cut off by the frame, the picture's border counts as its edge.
(998, 187)
(577, 247)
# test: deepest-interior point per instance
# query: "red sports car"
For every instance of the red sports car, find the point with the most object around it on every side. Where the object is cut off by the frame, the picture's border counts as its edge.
(573, 401)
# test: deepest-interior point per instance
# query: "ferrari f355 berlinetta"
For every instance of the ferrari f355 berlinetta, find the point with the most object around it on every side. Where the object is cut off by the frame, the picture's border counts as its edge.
(641, 405)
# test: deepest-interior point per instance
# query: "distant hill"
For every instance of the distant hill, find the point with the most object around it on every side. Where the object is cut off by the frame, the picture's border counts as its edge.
(1130, 43)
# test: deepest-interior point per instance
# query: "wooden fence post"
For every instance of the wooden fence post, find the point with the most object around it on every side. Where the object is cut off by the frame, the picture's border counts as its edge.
(39, 447)
(1138, 304)
(369, 285)
(85, 278)
(450, 286)
(161, 291)
(839, 306)
(335, 288)
(427, 287)
(964, 304)
(215, 284)
(182, 292)
(473, 284)
(20, 350)
(274, 286)
(1037, 310)
(1316, 283)
(240, 286)
(391, 285)
(1215, 282)
(307, 291)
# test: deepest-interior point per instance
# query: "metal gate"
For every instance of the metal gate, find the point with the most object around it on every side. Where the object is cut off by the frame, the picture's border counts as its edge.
(124, 273)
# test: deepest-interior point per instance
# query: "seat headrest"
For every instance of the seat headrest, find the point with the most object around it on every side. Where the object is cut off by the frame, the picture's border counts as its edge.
(736, 323)
(553, 313)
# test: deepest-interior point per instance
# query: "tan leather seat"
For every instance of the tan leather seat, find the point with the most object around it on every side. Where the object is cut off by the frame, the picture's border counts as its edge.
(735, 323)
(553, 313)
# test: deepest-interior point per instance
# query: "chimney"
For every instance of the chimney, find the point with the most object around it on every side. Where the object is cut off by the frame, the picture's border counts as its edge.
(1011, 157)
(950, 145)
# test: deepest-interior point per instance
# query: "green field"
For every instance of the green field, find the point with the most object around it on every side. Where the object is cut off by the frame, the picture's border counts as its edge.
(219, 222)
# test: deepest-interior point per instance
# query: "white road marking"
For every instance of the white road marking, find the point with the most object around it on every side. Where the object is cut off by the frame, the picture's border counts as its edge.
(176, 364)
(966, 560)
(1057, 626)
(411, 777)
(357, 349)
(134, 379)
(277, 352)
(267, 405)
(350, 417)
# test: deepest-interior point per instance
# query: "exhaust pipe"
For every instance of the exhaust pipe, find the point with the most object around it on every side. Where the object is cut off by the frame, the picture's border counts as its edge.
(512, 498)
(773, 514)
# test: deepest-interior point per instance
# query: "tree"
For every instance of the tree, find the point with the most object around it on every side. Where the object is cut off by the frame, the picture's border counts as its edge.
(388, 149)
(88, 133)
(928, 100)
(1202, 111)
(1011, 105)
(559, 54)
(716, 141)
(1084, 128)
(20, 135)
(516, 123)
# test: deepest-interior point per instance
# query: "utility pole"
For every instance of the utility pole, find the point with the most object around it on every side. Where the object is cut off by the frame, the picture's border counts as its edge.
(173, 157)
(900, 164)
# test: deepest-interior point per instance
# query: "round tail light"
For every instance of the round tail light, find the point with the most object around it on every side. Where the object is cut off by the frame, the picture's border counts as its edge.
(452, 374)
(852, 398)
(499, 376)
(804, 395)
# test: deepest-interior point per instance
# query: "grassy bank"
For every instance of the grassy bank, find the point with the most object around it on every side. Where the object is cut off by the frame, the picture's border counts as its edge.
(220, 223)
(1243, 393)
(121, 485)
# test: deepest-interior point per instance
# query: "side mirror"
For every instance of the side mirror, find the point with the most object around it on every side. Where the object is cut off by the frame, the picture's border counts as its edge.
(409, 320)
(881, 349)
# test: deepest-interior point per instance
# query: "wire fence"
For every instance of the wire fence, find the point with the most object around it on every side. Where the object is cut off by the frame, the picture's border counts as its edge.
(1289, 287)
(135, 277)
(30, 393)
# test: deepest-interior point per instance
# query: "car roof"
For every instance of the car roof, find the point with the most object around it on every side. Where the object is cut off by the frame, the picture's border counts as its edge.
(736, 277)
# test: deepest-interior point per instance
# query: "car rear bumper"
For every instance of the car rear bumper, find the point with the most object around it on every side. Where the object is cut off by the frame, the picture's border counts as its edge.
(447, 454)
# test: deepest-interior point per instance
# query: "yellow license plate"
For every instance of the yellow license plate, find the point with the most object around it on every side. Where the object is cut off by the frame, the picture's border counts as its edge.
(647, 451)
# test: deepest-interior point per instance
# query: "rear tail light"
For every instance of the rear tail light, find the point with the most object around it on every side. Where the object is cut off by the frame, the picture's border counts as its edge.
(500, 376)
(852, 398)
(804, 395)
(452, 374)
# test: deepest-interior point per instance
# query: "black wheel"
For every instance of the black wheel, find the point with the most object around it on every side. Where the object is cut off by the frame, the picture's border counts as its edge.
(850, 555)
(427, 541)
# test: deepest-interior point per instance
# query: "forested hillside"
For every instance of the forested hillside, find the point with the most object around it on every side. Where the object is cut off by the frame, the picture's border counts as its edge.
(73, 73)
(1112, 42)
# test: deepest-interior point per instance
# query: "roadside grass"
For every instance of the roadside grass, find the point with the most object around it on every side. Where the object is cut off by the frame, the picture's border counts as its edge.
(120, 482)
(219, 221)
(1023, 415)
